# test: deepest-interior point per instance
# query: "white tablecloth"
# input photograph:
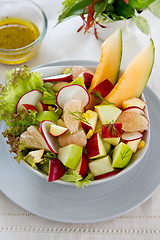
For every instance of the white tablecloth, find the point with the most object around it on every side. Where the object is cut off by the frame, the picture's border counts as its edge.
(63, 42)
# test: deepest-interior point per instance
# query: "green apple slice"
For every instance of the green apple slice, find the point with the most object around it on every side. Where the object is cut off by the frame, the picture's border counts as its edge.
(70, 155)
(101, 166)
(121, 155)
(78, 81)
(107, 146)
(47, 115)
(107, 113)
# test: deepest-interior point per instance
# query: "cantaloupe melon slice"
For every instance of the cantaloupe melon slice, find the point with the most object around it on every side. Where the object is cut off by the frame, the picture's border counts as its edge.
(110, 60)
(109, 64)
(134, 79)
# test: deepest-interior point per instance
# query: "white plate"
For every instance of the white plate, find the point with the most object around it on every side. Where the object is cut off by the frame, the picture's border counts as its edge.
(91, 204)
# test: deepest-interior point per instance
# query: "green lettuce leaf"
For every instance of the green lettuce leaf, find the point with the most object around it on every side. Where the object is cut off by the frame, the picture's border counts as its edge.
(18, 82)
(74, 177)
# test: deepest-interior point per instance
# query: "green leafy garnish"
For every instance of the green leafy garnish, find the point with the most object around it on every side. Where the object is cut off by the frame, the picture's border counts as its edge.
(74, 177)
(112, 128)
(96, 12)
(96, 94)
(78, 116)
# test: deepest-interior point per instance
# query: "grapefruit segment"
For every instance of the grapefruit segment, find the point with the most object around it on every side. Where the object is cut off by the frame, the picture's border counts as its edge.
(134, 79)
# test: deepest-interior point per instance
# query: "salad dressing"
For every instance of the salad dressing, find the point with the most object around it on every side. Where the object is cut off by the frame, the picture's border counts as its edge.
(17, 33)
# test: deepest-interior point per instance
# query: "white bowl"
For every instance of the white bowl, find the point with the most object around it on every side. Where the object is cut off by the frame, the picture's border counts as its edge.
(50, 70)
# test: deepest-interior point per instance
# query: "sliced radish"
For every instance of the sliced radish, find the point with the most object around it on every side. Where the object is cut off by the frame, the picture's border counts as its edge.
(57, 131)
(32, 97)
(131, 136)
(51, 141)
(73, 92)
(58, 85)
(134, 109)
(57, 78)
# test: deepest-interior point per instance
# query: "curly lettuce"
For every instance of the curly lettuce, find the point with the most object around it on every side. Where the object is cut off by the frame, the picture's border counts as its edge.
(18, 82)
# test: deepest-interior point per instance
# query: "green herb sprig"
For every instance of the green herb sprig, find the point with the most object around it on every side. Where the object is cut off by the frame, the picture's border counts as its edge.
(96, 94)
(78, 116)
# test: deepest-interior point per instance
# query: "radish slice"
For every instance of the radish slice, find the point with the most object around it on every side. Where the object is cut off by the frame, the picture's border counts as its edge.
(61, 77)
(70, 92)
(134, 109)
(131, 136)
(51, 141)
(32, 97)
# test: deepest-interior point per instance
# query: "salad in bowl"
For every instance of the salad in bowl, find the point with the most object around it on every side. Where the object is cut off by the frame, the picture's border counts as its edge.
(79, 124)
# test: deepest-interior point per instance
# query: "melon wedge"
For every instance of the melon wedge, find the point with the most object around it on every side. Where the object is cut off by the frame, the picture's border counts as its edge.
(109, 64)
(134, 79)
(110, 60)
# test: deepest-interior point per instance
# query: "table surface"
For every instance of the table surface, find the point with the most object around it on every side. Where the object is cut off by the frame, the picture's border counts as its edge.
(62, 42)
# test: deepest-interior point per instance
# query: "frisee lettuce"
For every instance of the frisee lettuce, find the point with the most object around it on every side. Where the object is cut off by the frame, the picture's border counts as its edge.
(74, 177)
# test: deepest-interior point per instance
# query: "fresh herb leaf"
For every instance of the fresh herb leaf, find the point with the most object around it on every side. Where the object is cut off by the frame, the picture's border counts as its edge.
(78, 116)
(96, 94)
(142, 24)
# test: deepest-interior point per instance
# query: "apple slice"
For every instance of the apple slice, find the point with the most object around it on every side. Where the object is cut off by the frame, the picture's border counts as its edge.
(121, 155)
(28, 107)
(70, 155)
(107, 113)
(112, 133)
(35, 156)
(137, 102)
(51, 141)
(95, 147)
(58, 85)
(47, 115)
(133, 144)
(134, 109)
(131, 136)
(57, 131)
(91, 121)
(87, 78)
(109, 174)
(101, 166)
(103, 88)
(133, 122)
(56, 170)
(42, 107)
(32, 97)
(57, 78)
(82, 167)
(70, 92)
